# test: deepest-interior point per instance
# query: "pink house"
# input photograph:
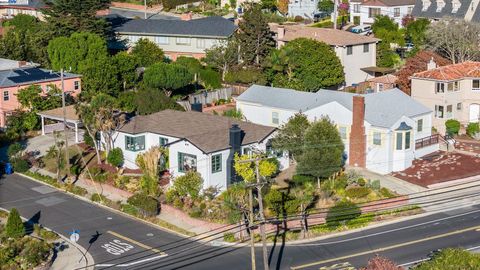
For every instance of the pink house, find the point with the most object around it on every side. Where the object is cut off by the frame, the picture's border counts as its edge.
(11, 81)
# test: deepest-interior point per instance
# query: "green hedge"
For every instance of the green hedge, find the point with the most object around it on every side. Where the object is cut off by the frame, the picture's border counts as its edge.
(358, 192)
(21, 165)
(146, 205)
(453, 126)
(246, 76)
(473, 129)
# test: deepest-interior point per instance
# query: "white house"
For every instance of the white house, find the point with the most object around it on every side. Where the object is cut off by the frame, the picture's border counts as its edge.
(356, 52)
(383, 132)
(302, 8)
(195, 141)
(365, 11)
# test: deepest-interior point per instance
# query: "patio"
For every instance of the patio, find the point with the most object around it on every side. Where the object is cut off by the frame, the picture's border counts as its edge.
(440, 167)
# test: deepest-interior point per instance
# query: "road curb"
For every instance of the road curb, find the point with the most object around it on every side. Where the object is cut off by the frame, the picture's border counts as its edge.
(82, 250)
(106, 207)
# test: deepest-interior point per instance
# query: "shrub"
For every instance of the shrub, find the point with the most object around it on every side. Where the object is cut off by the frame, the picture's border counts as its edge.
(358, 192)
(122, 181)
(229, 237)
(14, 151)
(195, 212)
(375, 184)
(189, 185)
(99, 198)
(75, 169)
(341, 213)
(88, 140)
(146, 205)
(233, 113)
(361, 221)
(473, 129)
(76, 190)
(21, 165)
(451, 258)
(300, 179)
(44, 233)
(453, 126)
(115, 157)
(35, 251)
(178, 203)
(14, 227)
(246, 76)
(210, 79)
(361, 182)
(129, 209)
(385, 192)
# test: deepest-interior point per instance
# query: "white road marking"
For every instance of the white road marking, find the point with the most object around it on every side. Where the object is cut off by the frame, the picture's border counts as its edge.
(132, 263)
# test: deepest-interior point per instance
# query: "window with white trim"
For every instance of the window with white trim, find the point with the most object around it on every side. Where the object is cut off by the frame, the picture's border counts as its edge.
(449, 113)
(200, 43)
(439, 110)
(183, 41)
(6, 95)
(349, 50)
(396, 12)
(76, 85)
(161, 40)
(356, 8)
(135, 143)
(187, 162)
(366, 48)
(377, 138)
(216, 163)
(419, 125)
(343, 132)
(403, 140)
(459, 106)
(439, 87)
(475, 84)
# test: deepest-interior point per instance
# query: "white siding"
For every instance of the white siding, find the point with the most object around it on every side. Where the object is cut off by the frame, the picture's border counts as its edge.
(169, 43)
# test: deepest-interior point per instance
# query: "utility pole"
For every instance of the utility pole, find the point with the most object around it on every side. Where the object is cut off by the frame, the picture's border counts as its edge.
(145, 9)
(250, 225)
(67, 159)
(335, 12)
(262, 216)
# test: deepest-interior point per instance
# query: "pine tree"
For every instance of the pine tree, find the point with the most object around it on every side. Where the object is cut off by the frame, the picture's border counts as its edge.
(254, 36)
(14, 227)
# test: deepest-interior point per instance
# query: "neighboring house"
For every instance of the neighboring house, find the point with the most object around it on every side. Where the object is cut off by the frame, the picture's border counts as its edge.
(10, 8)
(467, 10)
(176, 37)
(354, 11)
(302, 8)
(195, 141)
(382, 83)
(12, 64)
(382, 131)
(452, 92)
(365, 11)
(355, 52)
(11, 81)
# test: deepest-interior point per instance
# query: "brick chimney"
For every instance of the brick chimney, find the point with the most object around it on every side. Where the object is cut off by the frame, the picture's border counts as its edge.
(186, 16)
(22, 63)
(358, 139)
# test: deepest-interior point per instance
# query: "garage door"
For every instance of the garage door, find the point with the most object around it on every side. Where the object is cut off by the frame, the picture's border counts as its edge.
(474, 112)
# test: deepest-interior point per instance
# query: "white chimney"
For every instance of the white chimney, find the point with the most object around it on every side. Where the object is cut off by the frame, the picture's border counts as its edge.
(431, 64)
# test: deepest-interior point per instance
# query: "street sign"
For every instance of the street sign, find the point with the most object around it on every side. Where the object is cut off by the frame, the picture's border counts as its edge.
(74, 236)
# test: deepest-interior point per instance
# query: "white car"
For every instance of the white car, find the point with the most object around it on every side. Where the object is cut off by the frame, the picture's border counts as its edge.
(362, 30)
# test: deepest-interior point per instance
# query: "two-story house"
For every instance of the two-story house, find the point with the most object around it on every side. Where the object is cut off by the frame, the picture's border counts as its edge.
(302, 8)
(383, 131)
(467, 10)
(452, 92)
(13, 80)
(355, 52)
(195, 141)
(365, 11)
(189, 37)
(10, 8)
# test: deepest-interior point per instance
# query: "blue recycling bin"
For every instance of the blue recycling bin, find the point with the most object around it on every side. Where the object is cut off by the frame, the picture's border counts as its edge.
(8, 168)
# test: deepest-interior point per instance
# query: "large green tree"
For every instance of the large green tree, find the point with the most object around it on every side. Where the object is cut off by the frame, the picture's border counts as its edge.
(254, 37)
(323, 150)
(151, 100)
(168, 77)
(126, 67)
(291, 135)
(14, 227)
(325, 6)
(64, 17)
(416, 32)
(222, 56)
(389, 32)
(306, 65)
(147, 53)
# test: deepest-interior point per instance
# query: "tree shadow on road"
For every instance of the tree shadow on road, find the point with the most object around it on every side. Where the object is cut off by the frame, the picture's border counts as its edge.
(31, 222)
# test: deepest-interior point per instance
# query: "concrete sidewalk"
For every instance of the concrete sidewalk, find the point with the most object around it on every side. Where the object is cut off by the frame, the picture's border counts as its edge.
(71, 256)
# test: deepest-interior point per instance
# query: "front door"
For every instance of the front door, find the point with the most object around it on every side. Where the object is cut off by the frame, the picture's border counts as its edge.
(474, 112)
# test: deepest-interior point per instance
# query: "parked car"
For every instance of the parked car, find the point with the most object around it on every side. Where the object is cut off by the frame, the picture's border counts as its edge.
(362, 30)
(320, 16)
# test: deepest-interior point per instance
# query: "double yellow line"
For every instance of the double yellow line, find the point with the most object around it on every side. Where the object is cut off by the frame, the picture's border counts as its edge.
(136, 243)
(475, 228)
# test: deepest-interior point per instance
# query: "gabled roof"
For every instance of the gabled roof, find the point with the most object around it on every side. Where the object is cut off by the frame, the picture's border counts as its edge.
(215, 26)
(332, 37)
(458, 71)
(389, 78)
(209, 133)
(382, 109)
(30, 75)
(446, 11)
(388, 3)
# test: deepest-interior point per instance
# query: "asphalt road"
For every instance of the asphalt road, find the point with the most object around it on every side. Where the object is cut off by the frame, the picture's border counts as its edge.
(124, 243)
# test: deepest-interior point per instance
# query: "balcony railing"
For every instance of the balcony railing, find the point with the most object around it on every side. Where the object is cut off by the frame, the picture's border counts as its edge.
(427, 141)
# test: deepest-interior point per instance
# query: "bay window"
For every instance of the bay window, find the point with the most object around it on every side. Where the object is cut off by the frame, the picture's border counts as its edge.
(187, 162)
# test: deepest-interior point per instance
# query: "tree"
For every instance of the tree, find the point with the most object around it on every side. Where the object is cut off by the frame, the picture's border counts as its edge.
(64, 17)
(304, 197)
(246, 170)
(29, 98)
(386, 57)
(381, 263)
(291, 135)
(99, 76)
(254, 36)
(454, 258)
(416, 31)
(32, 98)
(417, 63)
(457, 40)
(306, 65)
(168, 77)
(389, 32)
(126, 101)
(150, 100)
(126, 69)
(323, 151)
(271, 5)
(222, 56)
(115, 157)
(147, 53)
(56, 151)
(326, 6)
(14, 227)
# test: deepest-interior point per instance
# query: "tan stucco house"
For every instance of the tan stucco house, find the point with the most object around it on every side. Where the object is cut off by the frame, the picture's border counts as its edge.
(452, 92)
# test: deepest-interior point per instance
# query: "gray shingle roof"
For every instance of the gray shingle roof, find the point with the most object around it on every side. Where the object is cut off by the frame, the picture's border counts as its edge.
(382, 109)
(210, 133)
(431, 11)
(206, 27)
(22, 76)
(389, 3)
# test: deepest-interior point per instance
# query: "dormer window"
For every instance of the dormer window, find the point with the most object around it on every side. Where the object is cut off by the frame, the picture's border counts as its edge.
(426, 4)
(456, 4)
(440, 5)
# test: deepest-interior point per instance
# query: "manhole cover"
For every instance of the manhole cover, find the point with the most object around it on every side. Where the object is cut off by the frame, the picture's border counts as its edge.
(149, 234)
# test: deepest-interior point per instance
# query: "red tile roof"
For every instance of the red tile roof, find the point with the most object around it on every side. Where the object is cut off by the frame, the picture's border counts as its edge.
(459, 71)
